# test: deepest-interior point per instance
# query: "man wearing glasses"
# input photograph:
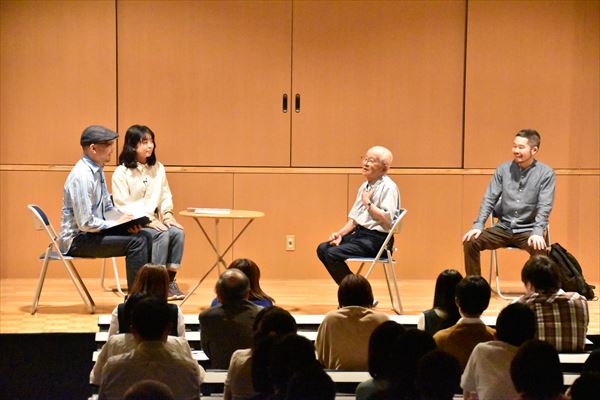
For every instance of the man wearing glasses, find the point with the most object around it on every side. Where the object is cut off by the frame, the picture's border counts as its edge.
(377, 205)
(87, 208)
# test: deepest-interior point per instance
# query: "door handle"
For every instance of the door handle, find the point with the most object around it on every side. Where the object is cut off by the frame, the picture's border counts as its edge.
(285, 103)
(297, 102)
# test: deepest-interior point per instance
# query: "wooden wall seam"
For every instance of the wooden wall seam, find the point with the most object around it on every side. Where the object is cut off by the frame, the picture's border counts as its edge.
(297, 170)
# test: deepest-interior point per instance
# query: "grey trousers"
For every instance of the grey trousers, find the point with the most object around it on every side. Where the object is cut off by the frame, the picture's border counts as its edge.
(167, 246)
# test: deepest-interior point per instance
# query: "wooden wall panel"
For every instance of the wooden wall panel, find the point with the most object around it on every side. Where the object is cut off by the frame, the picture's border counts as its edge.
(208, 77)
(58, 69)
(307, 206)
(533, 64)
(388, 73)
(202, 190)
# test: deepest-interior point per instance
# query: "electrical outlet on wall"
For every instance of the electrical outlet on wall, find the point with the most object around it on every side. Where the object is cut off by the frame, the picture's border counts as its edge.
(290, 242)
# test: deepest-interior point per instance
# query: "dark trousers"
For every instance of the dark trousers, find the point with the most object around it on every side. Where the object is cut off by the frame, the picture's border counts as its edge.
(360, 242)
(493, 238)
(135, 248)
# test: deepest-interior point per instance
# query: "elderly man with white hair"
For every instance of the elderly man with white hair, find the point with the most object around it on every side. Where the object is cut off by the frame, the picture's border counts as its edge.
(377, 205)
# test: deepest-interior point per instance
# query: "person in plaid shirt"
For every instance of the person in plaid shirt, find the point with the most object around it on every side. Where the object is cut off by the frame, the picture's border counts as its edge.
(561, 317)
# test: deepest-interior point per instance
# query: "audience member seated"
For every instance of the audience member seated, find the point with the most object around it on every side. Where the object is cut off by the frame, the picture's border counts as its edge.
(380, 363)
(487, 374)
(590, 367)
(151, 358)
(251, 270)
(536, 373)
(472, 298)
(562, 317)
(406, 353)
(149, 390)
(228, 326)
(438, 376)
(151, 280)
(291, 355)
(125, 342)
(271, 323)
(444, 313)
(311, 383)
(586, 387)
(343, 336)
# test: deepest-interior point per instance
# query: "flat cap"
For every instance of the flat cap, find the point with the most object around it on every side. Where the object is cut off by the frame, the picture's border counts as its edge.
(97, 134)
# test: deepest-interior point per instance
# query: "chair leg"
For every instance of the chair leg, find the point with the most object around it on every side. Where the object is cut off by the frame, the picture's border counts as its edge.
(370, 269)
(396, 302)
(117, 279)
(494, 266)
(81, 288)
(38, 291)
(116, 274)
(360, 269)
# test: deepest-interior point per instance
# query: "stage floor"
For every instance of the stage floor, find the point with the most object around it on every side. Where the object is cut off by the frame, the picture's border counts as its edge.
(62, 310)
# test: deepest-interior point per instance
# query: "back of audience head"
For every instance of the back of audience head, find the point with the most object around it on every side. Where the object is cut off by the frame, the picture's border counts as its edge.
(150, 319)
(232, 286)
(273, 321)
(592, 364)
(515, 324)
(473, 296)
(541, 273)
(152, 279)
(355, 290)
(149, 390)
(270, 324)
(444, 295)
(251, 270)
(311, 383)
(291, 354)
(586, 387)
(438, 376)
(407, 351)
(381, 342)
(535, 370)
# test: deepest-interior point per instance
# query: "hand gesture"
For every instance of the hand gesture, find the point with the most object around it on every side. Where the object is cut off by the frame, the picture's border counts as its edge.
(335, 239)
(472, 234)
(366, 195)
(159, 226)
(173, 222)
(537, 242)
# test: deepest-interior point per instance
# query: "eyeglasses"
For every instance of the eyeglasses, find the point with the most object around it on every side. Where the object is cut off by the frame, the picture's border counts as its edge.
(368, 160)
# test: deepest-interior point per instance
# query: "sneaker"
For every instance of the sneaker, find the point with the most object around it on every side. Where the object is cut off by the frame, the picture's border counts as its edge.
(174, 292)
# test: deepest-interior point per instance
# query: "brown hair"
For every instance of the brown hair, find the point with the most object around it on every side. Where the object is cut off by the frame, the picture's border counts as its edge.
(153, 280)
(251, 270)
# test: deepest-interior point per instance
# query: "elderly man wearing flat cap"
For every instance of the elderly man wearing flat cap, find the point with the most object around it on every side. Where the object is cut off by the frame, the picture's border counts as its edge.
(87, 206)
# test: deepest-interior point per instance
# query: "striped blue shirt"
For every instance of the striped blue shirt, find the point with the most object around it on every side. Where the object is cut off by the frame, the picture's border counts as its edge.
(85, 202)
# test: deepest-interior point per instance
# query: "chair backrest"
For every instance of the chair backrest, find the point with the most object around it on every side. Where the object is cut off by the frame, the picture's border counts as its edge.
(41, 222)
(395, 227)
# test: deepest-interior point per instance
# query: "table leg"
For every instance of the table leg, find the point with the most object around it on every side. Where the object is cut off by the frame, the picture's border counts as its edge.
(220, 256)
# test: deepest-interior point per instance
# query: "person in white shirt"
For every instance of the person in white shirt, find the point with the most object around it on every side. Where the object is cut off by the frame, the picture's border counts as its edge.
(376, 208)
(151, 358)
(487, 374)
(140, 182)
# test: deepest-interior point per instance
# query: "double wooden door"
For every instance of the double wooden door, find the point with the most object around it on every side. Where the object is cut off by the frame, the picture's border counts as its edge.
(212, 77)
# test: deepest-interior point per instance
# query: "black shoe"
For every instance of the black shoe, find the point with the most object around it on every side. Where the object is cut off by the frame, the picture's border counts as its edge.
(174, 292)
